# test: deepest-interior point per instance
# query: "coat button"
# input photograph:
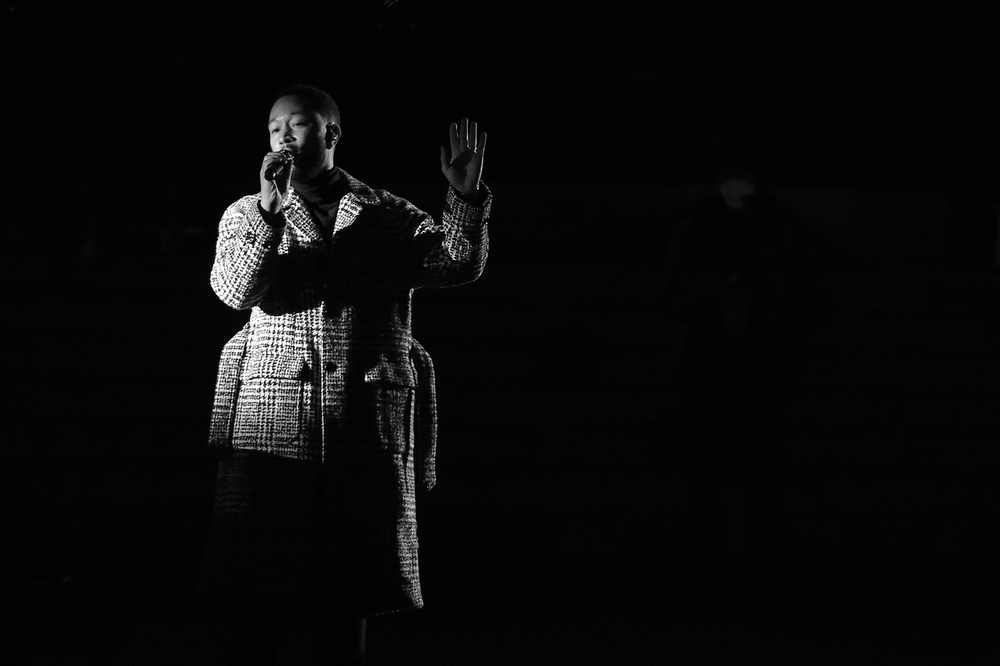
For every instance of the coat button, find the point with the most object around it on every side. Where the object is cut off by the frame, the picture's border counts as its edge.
(331, 366)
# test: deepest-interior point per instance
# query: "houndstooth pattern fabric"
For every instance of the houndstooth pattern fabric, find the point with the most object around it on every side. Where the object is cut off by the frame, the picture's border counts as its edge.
(425, 421)
(326, 369)
(325, 318)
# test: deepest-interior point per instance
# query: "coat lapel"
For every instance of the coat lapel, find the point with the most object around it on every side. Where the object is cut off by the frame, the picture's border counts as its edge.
(299, 217)
(358, 195)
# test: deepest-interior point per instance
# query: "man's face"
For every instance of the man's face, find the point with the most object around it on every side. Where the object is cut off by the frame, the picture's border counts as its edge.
(297, 128)
(736, 185)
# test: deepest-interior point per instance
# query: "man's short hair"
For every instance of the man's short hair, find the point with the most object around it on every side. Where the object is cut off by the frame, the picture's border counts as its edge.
(318, 99)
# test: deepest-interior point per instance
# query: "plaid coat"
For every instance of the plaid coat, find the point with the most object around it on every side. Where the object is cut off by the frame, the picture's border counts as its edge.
(326, 371)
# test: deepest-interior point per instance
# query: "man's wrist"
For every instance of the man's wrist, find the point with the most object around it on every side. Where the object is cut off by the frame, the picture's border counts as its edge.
(473, 198)
(271, 219)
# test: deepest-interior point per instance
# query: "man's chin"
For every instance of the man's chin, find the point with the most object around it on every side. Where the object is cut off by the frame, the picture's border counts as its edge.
(303, 173)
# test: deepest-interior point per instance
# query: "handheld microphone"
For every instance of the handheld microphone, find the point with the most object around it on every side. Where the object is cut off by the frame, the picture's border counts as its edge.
(272, 171)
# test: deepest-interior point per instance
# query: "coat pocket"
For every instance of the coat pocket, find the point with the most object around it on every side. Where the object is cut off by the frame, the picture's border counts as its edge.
(400, 373)
(275, 404)
(276, 366)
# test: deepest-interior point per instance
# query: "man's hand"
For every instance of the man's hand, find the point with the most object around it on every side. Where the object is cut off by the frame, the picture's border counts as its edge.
(465, 168)
(272, 191)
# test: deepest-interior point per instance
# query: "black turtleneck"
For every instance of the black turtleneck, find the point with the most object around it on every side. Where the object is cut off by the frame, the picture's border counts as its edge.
(322, 197)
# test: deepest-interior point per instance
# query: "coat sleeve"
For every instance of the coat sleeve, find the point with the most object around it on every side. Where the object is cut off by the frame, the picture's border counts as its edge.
(245, 254)
(452, 251)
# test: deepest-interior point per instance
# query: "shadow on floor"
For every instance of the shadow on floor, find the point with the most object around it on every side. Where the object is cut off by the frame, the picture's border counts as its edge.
(106, 626)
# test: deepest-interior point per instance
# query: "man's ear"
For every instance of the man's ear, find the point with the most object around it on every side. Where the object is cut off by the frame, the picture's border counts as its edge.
(332, 134)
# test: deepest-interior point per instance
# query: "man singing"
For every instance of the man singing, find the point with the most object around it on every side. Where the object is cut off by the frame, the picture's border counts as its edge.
(314, 524)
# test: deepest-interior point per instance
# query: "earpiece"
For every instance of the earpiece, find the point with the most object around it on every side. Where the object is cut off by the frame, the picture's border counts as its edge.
(332, 132)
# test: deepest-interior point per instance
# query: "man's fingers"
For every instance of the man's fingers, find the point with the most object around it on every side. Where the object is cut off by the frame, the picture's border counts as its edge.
(473, 134)
(274, 158)
(465, 135)
(453, 135)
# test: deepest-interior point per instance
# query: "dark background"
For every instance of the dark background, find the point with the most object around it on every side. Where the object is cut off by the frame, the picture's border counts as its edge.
(130, 127)
(857, 92)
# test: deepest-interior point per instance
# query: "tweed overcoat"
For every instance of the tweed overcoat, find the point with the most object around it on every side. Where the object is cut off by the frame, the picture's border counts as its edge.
(326, 370)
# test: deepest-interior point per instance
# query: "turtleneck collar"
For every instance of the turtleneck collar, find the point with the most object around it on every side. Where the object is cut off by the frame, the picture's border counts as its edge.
(327, 187)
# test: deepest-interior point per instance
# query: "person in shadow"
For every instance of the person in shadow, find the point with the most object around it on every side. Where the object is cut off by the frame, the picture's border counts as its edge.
(742, 278)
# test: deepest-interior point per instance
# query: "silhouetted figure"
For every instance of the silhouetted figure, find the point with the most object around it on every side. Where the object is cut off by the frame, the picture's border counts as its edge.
(740, 281)
(322, 398)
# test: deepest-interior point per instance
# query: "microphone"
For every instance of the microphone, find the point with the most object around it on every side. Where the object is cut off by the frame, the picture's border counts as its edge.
(272, 171)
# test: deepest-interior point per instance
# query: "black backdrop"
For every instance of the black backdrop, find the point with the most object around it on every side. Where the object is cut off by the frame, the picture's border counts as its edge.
(129, 128)
(631, 90)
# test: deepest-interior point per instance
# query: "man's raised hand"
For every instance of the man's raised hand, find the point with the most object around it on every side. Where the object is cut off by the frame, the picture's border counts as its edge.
(464, 168)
